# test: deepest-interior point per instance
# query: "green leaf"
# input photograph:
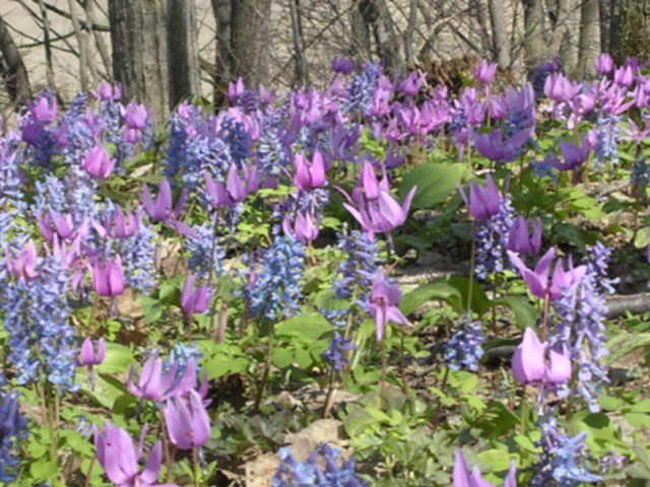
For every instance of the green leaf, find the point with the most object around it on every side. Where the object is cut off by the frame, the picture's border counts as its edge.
(435, 290)
(525, 313)
(642, 238)
(435, 183)
(307, 327)
(281, 357)
(497, 460)
(43, 469)
(623, 344)
(118, 359)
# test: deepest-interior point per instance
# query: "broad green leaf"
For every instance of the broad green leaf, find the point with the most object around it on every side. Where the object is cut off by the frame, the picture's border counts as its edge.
(525, 313)
(435, 183)
(308, 327)
(118, 359)
(623, 344)
(435, 290)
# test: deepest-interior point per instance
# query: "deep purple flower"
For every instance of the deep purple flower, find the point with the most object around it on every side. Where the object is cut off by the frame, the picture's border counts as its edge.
(187, 421)
(541, 283)
(60, 223)
(530, 364)
(604, 63)
(45, 109)
(574, 155)
(304, 228)
(497, 147)
(236, 89)
(559, 88)
(383, 301)
(485, 71)
(373, 206)
(122, 225)
(161, 209)
(624, 76)
(117, 454)
(23, 264)
(343, 65)
(106, 91)
(413, 82)
(310, 176)
(98, 162)
(464, 477)
(90, 355)
(194, 300)
(484, 201)
(157, 385)
(108, 277)
(236, 188)
(523, 242)
(136, 116)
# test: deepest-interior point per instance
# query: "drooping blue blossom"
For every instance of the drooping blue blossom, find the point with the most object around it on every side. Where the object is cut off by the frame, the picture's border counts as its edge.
(12, 202)
(492, 240)
(359, 267)
(276, 290)
(464, 349)
(607, 135)
(640, 173)
(272, 152)
(539, 74)
(362, 89)
(234, 134)
(37, 315)
(180, 354)
(590, 346)
(335, 473)
(336, 317)
(13, 428)
(206, 253)
(76, 131)
(563, 458)
(139, 257)
(337, 351)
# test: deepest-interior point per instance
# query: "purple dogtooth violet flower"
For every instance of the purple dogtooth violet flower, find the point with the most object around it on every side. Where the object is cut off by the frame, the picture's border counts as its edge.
(23, 264)
(540, 281)
(236, 188)
(412, 83)
(60, 223)
(464, 477)
(157, 385)
(303, 227)
(118, 457)
(92, 355)
(604, 63)
(187, 421)
(45, 110)
(108, 277)
(372, 205)
(310, 176)
(236, 89)
(574, 155)
(107, 91)
(624, 76)
(122, 224)
(523, 242)
(485, 71)
(531, 366)
(161, 209)
(497, 147)
(136, 116)
(98, 162)
(194, 300)
(484, 201)
(560, 89)
(383, 301)
(342, 65)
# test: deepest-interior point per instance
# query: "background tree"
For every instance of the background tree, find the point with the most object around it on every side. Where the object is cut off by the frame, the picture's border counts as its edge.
(12, 67)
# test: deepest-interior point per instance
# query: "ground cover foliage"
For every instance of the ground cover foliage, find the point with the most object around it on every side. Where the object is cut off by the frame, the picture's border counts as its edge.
(382, 283)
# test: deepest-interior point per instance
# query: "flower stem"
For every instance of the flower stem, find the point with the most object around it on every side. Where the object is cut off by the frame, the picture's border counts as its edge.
(267, 371)
(198, 474)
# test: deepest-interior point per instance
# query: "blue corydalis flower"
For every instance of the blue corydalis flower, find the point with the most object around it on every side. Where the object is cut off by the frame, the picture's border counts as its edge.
(13, 428)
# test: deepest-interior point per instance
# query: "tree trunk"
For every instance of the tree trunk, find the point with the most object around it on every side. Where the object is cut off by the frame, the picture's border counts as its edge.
(563, 40)
(12, 67)
(223, 51)
(500, 37)
(139, 41)
(298, 43)
(249, 40)
(589, 37)
(377, 19)
(183, 51)
(534, 42)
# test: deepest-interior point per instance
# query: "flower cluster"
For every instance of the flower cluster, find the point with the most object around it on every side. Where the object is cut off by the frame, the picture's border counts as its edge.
(464, 349)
